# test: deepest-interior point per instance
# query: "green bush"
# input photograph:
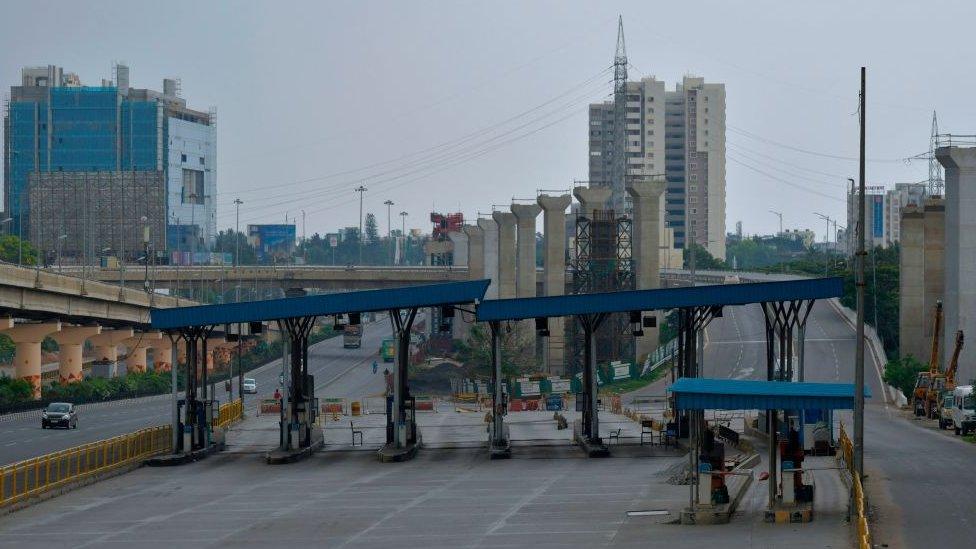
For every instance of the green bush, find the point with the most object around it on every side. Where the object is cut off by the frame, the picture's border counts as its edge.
(13, 391)
(903, 372)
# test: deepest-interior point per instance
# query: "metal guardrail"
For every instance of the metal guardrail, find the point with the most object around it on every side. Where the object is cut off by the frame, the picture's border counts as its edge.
(950, 140)
(858, 516)
(229, 413)
(32, 477)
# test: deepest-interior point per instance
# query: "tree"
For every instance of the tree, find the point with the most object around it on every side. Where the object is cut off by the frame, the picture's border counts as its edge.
(226, 243)
(13, 248)
(902, 373)
(703, 259)
(369, 228)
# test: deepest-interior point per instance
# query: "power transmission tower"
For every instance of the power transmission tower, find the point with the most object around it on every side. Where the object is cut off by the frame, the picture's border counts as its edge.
(618, 166)
(936, 182)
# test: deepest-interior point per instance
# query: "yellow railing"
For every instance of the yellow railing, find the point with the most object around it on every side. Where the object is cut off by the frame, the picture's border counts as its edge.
(229, 413)
(858, 515)
(32, 477)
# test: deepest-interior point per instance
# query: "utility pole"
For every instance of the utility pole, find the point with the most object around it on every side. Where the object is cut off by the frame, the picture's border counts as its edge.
(304, 245)
(826, 242)
(145, 248)
(859, 277)
(389, 230)
(361, 190)
(403, 235)
(780, 216)
(237, 254)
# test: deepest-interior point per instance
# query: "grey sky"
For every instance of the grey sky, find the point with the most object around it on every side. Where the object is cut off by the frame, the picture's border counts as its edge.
(311, 89)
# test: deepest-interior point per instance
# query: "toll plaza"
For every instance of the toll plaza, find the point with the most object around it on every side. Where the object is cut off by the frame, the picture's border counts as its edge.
(789, 494)
(295, 317)
(785, 305)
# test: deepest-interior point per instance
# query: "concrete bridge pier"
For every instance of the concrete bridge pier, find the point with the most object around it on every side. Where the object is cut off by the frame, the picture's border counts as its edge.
(135, 359)
(490, 229)
(27, 357)
(554, 281)
(960, 250)
(506, 254)
(525, 279)
(592, 199)
(646, 196)
(476, 271)
(107, 350)
(71, 342)
(162, 351)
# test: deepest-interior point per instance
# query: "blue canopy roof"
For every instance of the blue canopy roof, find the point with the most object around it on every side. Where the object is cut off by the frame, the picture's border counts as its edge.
(665, 298)
(429, 295)
(736, 394)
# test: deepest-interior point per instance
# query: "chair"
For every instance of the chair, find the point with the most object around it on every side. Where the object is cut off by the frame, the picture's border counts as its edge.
(647, 429)
(354, 433)
(614, 434)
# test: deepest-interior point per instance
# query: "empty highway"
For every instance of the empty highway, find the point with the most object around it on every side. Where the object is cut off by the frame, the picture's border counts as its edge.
(349, 370)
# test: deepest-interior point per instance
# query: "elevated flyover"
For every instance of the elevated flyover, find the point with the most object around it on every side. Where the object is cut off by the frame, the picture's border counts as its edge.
(35, 304)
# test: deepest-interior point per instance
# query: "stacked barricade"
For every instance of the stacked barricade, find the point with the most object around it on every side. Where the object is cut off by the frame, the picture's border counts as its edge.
(858, 515)
(229, 413)
(33, 477)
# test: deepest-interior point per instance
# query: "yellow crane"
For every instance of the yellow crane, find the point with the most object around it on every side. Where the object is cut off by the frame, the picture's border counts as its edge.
(923, 382)
(943, 384)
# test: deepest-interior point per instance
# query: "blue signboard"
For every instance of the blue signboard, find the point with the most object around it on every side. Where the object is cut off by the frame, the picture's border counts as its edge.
(272, 241)
(878, 211)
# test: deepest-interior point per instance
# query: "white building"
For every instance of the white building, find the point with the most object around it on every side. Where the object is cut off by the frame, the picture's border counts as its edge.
(680, 134)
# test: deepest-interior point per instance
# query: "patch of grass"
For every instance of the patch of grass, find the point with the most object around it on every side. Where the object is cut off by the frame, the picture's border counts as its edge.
(628, 385)
(970, 439)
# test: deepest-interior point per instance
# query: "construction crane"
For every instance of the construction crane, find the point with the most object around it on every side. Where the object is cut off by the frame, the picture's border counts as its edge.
(920, 396)
(944, 384)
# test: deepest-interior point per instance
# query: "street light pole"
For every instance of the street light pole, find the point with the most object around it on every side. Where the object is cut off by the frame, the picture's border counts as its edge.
(780, 216)
(389, 230)
(361, 190)
(859, 277)
(304, 241)
(237, 248)
(403, 235)
(145, 246)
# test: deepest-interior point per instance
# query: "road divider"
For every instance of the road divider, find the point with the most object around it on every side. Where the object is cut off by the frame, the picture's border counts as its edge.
(858, 516)
(34, 477)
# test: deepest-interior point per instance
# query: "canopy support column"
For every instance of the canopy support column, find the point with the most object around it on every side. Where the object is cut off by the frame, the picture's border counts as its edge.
(499, 445)
(402, 437)
(298, 418)
(589, 435)
(197, 410)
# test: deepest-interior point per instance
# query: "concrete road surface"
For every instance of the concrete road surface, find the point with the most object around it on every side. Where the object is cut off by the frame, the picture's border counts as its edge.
(337, 371)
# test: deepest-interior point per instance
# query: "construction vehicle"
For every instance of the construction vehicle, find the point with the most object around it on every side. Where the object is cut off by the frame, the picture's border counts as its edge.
(944, 384)
(920, 396)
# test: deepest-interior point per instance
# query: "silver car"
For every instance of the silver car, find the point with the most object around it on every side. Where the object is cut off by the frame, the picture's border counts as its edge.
(250, 386)
(59, 414)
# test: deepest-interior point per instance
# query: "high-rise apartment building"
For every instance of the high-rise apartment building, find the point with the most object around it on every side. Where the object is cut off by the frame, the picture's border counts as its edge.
(883, 211)
(680, 135)
(55, 124)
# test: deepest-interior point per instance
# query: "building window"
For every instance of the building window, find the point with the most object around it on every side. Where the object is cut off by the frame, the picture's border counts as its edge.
(182, 158)
(201, 161)
(192, 187)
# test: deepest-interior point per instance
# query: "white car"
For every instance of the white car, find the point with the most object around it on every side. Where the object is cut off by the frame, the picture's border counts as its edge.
(250, 386)
(963, 409)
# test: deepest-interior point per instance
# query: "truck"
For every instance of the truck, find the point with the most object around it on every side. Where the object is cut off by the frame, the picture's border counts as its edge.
(388, 349)
(352, 336)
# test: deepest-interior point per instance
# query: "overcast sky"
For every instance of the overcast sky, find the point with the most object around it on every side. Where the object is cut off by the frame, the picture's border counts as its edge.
(461, 105)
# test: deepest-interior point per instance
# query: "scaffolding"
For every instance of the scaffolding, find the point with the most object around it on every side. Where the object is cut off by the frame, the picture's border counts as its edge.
(77, 217)
(603, 263)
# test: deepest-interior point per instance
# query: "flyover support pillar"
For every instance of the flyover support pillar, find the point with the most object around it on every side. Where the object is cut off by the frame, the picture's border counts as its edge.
(525, 279)
(554, 280)
(135, 359)
(162, 351)
(506, 254)
(499, 445)
(107, 350)
(27, 357)
(71, 342)
(646, 196)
